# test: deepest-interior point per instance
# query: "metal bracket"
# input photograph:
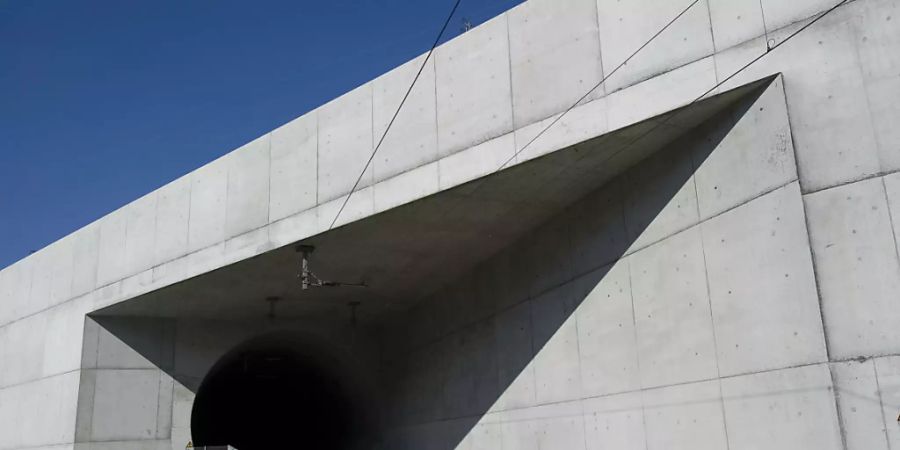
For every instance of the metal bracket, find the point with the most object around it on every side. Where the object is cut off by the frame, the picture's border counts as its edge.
(309, 279)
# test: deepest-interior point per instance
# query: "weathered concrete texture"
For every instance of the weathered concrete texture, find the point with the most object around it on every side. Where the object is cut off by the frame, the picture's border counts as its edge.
(833, 124)
(412, 141)
(857, 267)
(764, 239)
(683, 330)
(735, 289)
(624, 28)
(632, 343)
(473, 87)
(542, 55)
(345, 143)
(293, 176)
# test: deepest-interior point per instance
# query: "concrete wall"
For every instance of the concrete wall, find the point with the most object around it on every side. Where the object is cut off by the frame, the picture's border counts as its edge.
(699, 301)
(493, 88)
(125, 400)
(140, 376)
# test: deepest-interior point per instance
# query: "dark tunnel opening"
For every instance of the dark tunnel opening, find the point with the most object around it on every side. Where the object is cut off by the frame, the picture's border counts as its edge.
(270, 393)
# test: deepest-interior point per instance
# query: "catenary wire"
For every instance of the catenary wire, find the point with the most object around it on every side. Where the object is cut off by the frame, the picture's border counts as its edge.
(437, 40)
(769, 49)
(596, 86)
(575, 104)
(728, 78)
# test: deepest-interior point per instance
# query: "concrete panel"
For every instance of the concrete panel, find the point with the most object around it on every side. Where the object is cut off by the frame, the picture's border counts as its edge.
(209, 187)
(514, 355)
(625, 27)
(660, 198)
(882, 102)
(470, 385)
(173, 208)
(782, 410)
(85, 409)
(128, 445)
(557, 371)
(62, 267)
(21, 347)
(183, 402)
(474, 97)
(6, 296)
(555, 54)
(519, 435)
(247, 245)
(18, 287)
(772, 324)
(879, 38)
(345, 143)
(892, 188)
(857, 270)
(428, 371)
(598, 236)
(685, 417)
(294, 153)
(615, 422)
(735, 21)
(111, 265)
(887, 372)
(43, 412)
(832, 131)
(62, 350)
(550, 247)
(564, 431)
(586, 121)
(467, 301)
(112, 353)
(412, 140)
(606, 335)
(477, 161)
(165, 404)
(360, 205)
(661, 94)
(139, 234)
(86, 249)
(672, 312)
(859, 403)
(485, 435)
(125, 405)
(292, 229)
(508, 269)
(408, 186)
(41, 282)
(180, 438)
(247, 199)
(558, 425)
(779, 13)
(759, 144)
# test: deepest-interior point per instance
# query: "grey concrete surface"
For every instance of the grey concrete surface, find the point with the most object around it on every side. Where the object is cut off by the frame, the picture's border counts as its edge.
(728, 282)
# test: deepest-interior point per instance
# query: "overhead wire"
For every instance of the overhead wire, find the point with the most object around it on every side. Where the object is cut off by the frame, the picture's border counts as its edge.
(769, 48)
(437, 40)
(538, 135)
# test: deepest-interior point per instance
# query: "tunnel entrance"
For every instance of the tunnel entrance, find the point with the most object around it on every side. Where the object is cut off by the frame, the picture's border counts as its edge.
(273, 393)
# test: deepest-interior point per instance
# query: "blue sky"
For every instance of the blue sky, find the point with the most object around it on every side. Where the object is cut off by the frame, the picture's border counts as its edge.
(102, 101)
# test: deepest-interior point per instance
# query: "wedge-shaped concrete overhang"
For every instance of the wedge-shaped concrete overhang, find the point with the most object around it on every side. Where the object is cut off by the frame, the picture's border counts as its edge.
(409, 251)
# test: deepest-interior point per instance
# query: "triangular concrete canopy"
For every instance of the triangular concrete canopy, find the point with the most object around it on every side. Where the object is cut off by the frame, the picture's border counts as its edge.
(404, 253)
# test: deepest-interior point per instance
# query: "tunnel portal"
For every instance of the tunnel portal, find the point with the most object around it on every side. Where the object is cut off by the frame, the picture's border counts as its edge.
(272, 393)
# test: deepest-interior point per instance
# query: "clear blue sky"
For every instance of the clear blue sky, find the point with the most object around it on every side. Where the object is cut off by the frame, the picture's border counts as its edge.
(102, 101)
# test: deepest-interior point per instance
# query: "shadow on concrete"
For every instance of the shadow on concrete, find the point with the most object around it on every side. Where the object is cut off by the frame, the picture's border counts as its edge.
(470, 368)
(459, 377)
